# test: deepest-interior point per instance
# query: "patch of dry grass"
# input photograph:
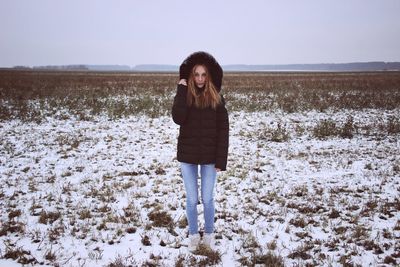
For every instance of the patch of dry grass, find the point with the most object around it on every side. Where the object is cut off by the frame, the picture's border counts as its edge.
(34, 95)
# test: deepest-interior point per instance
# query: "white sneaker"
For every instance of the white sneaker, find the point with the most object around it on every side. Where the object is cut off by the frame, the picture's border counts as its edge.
(208, 240)
(194, 241)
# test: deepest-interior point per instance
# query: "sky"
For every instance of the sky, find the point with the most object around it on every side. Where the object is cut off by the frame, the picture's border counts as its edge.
(50, 32)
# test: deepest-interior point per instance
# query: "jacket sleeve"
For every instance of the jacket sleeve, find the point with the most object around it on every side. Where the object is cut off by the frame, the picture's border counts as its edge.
(179, 107)
(222, 136)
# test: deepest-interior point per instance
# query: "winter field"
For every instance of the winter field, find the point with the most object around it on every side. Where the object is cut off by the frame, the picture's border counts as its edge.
(88, 174)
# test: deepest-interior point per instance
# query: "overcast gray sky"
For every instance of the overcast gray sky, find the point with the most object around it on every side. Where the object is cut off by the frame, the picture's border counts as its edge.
(51, 32)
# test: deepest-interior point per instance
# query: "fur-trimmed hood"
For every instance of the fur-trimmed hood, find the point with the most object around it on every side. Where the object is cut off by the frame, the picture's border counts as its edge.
(202, 58)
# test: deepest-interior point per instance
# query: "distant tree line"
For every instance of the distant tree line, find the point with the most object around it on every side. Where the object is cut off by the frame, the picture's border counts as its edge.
(55, 67)
(355, 66)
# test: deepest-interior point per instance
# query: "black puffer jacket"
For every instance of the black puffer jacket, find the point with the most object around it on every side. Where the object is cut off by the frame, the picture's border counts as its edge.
(204, 133)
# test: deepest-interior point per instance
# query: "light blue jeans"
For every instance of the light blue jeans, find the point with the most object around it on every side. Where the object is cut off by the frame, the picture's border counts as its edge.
(208, 176)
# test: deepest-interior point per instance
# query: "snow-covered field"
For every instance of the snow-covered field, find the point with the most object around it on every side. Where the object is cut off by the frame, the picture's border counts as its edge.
(109, 192)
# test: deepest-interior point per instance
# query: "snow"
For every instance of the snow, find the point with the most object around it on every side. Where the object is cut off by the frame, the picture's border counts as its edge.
(104, 166)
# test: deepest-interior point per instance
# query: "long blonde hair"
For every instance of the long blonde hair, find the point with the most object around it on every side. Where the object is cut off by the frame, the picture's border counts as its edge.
(209, 97)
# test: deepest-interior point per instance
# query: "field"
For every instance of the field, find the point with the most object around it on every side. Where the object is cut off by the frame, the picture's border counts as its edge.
(89, 177)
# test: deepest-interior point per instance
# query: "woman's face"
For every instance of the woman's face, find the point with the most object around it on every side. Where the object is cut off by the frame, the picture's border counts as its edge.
(200, 76)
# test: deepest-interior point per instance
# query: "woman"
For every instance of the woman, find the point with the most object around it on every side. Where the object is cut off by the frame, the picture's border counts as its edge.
(203, 139)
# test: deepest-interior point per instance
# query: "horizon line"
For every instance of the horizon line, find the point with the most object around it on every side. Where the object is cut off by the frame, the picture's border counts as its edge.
(174, 65)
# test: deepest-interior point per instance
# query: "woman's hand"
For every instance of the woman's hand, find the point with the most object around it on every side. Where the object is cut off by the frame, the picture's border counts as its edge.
(183, 82)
